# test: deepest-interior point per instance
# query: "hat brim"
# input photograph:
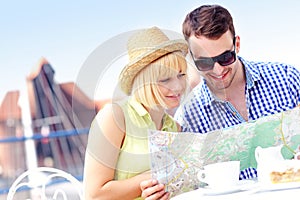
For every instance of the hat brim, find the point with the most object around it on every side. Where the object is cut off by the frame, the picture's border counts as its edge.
(135, 66)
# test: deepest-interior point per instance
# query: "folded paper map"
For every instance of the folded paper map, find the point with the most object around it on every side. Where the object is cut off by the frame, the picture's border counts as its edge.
(176, 157)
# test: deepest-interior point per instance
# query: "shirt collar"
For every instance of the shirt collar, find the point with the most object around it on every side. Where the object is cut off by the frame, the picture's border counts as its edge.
(168, 123)
(138, 107)
(252, 73)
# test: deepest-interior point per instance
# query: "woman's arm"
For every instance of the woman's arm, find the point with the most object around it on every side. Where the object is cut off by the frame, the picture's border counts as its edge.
(99, 173)
(99, 183)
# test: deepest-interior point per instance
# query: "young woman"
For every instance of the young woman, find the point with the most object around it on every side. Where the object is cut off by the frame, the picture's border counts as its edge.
(117, 155)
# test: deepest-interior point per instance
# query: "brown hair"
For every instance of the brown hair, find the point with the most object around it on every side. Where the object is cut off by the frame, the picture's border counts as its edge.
(210, 21)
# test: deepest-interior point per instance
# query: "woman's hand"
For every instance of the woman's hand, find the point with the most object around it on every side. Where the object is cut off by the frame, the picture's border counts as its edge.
(152, 190)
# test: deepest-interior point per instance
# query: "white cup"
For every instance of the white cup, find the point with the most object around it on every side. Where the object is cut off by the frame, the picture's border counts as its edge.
(221, 174)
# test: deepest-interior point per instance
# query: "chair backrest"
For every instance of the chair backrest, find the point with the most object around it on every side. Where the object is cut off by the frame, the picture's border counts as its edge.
(46, 183)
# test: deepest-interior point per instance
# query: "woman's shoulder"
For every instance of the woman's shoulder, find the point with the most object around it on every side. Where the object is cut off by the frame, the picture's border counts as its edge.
(111, 112)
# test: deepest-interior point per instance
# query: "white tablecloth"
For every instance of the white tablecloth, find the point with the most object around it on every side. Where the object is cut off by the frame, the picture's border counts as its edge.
(255, 192)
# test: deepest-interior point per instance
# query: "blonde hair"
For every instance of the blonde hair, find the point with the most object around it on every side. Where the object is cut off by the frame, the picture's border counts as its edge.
(145, 84)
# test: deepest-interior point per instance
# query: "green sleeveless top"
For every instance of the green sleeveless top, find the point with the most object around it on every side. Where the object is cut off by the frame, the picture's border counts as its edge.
(134, 154)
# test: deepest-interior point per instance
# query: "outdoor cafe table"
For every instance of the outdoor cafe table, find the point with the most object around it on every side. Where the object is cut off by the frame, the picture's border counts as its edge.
(254, 193)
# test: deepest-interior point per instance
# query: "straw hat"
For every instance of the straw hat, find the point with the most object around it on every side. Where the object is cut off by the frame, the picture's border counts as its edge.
(145, 47)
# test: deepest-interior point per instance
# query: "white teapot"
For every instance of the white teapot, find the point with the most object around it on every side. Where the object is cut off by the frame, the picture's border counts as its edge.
(268, 154)
(266, 159)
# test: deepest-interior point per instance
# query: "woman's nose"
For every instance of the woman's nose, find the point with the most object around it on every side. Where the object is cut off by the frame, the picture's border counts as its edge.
(178, 85)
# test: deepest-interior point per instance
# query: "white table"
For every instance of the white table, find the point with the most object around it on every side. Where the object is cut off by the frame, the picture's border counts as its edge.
(252, 193)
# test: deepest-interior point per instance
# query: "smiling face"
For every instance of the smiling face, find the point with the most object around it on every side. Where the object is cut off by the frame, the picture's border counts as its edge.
(172, 88)
(162, 83)
(219, 77)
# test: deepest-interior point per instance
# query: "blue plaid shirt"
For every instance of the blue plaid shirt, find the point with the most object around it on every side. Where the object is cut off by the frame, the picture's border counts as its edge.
(270, 88)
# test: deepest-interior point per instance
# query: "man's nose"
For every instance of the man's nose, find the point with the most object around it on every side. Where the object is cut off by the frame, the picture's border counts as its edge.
(218, 69)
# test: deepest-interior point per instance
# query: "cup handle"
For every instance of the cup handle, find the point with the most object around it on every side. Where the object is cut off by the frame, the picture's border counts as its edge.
(257, 150)
(201, 175)
(297, 156)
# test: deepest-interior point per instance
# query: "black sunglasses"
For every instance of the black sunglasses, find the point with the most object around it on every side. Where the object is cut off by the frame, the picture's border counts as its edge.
(207, 63)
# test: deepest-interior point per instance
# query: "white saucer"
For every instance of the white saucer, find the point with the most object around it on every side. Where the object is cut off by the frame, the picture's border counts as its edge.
(241, 186)
(279, 186)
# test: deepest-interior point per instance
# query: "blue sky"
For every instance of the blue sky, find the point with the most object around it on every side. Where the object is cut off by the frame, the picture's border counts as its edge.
(67, 32)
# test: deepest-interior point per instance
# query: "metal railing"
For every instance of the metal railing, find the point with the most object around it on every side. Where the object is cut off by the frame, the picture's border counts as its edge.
(62, 150)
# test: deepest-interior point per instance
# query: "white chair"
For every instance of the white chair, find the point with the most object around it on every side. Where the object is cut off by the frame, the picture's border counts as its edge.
(37, 181)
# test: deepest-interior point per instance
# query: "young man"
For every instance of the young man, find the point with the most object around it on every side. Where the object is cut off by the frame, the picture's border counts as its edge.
(234, 90)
